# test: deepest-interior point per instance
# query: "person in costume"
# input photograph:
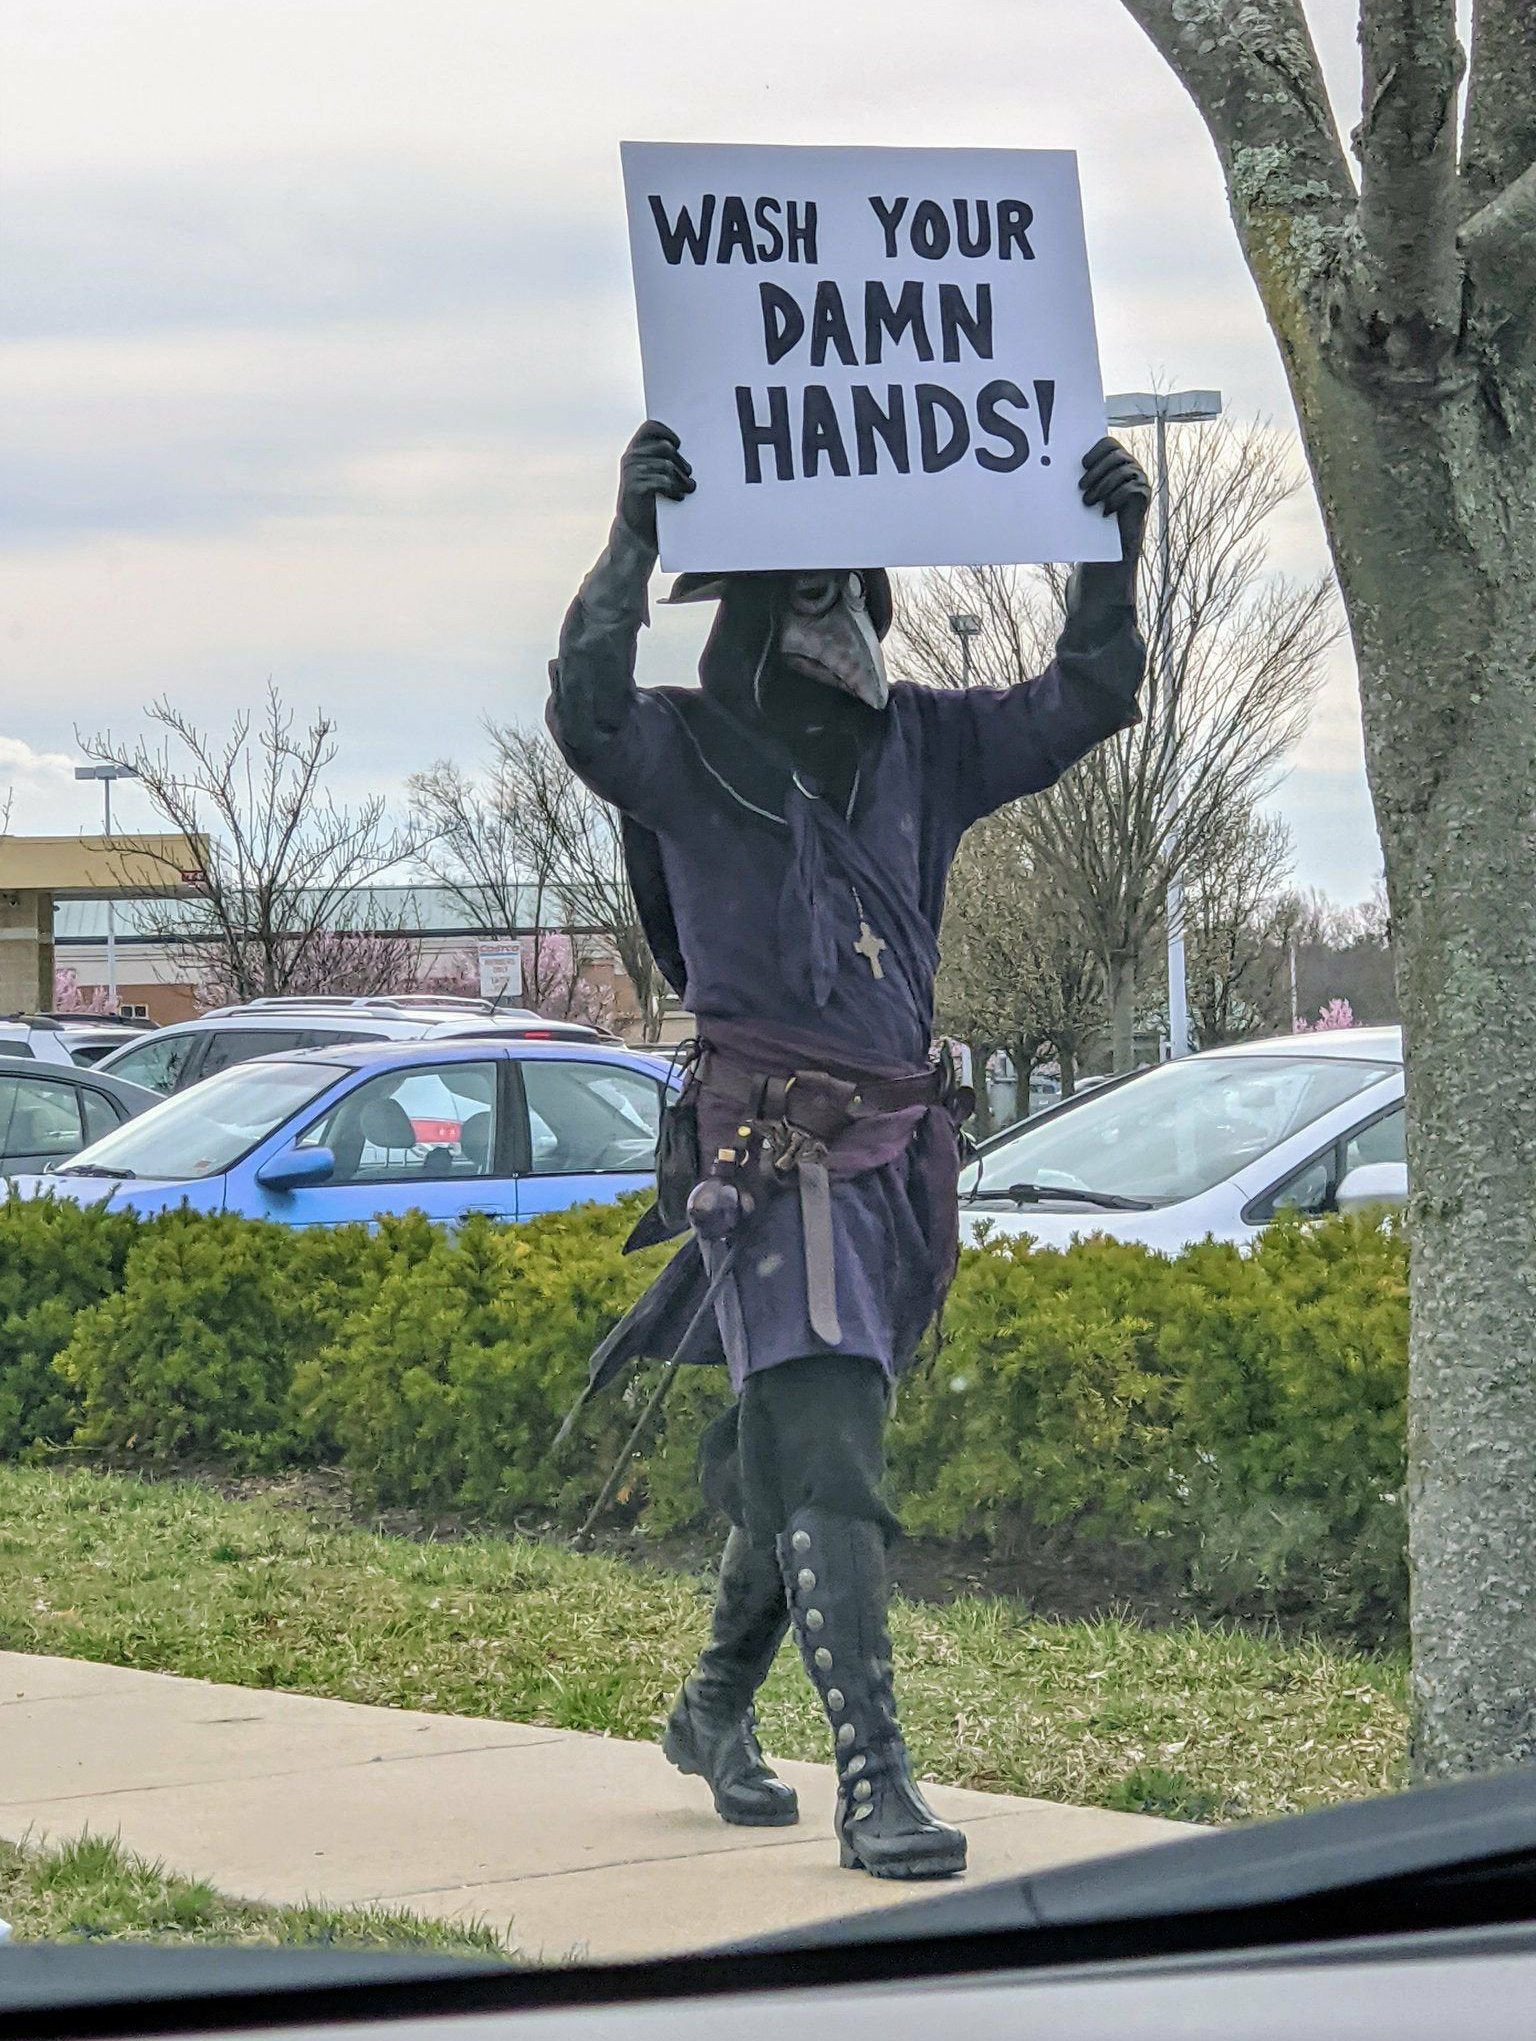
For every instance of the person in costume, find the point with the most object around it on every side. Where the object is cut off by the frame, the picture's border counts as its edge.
(789, 828)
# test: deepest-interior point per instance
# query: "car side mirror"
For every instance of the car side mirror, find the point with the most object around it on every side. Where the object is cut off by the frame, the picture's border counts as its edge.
(1373, 1183)
(291, 1169)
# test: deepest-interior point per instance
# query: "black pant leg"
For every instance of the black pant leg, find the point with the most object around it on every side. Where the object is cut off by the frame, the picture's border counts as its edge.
(811, 1436)
(719, 1466)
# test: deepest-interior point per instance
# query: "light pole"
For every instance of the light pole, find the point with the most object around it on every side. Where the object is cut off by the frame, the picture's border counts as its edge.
(965, 627)
(1160, 409)
(107, 774)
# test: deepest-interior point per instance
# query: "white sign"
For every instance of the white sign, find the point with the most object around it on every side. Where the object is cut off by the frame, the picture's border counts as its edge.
(872, 357)
(501, 970)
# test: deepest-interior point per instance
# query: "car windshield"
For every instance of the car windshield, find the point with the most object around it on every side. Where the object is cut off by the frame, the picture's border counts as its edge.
(1176, 1131)
(204, 1131)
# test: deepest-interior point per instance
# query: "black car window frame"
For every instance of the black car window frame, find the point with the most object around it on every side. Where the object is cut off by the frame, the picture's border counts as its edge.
(109, 1103)
(1261, 1210)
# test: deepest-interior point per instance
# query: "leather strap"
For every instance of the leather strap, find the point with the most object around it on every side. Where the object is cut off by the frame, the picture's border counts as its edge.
(820, 1251)
(805, 1114)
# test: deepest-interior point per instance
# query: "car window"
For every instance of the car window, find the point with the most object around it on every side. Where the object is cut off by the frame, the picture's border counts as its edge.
(590, 1118)
(100, 1113)
(89, 1052)
(1384, 1140)
(1311, 1188)
(228, 1046)
(39, 1117)
(160, 1064)
(1180, 1129)
(15, 1047)
(207, 1128)
(428, 1122)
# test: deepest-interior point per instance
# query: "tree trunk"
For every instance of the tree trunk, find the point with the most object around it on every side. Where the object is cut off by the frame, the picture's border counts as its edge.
(1402, 310)
(980, 1051)
(1066, 1064)
(1437, 555)
(1121, 978)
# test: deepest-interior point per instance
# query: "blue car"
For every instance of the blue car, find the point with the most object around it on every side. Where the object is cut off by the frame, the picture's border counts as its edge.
(324, 1136)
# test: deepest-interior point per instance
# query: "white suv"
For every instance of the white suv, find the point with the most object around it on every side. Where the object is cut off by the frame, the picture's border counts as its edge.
(66, 1038)
(177, 1056)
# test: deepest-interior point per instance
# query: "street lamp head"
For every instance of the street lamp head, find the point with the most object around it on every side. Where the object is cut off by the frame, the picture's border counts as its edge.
(1174, 407)
(1136, 407)
(106, 772)
(965, 625)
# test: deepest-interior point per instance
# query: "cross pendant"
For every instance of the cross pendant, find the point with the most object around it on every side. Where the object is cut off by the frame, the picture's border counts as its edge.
(870, 946)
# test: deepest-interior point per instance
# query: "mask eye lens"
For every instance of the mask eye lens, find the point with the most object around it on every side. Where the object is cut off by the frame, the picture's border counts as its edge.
(813, 595)
(857, 595)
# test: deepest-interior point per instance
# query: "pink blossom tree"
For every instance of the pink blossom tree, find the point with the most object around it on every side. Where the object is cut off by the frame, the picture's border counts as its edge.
(70, 996)
(1338, 1013)
(555, 981)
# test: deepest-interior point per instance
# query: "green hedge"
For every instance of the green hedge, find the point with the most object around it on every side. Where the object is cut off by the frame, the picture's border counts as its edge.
(446, 1389)
(1232, 1424)
(56, 1260)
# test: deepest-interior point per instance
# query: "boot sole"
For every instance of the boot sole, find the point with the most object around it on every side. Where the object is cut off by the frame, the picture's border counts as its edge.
(930, 1867)
(680, 1756)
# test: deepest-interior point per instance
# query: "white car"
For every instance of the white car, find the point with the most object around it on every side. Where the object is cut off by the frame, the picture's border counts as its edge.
(1214, 1144)
(68, 1037)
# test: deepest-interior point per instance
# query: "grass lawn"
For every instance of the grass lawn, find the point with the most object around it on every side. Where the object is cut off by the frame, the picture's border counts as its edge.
(91, 1889)
(171, 1577)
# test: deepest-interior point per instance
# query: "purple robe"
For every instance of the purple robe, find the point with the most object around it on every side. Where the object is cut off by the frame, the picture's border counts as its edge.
(769, 891)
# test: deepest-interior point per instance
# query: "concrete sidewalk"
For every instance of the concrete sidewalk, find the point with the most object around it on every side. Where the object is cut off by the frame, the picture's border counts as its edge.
(570, 1844)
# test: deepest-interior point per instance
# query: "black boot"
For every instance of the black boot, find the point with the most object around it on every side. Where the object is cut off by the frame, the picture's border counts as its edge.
(711, 1733)
(834, 1571)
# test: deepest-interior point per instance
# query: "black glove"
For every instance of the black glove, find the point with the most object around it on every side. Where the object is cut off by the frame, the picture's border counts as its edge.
(652, 466)
(1116, 479)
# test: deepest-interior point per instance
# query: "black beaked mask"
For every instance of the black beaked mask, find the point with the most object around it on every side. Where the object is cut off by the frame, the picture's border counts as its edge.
(826, 625)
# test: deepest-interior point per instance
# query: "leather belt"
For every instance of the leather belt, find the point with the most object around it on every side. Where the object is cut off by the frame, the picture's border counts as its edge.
(803, 1114)
(814, 1100)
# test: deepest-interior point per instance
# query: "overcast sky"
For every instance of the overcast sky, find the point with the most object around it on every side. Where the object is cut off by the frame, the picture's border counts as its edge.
(318, 348)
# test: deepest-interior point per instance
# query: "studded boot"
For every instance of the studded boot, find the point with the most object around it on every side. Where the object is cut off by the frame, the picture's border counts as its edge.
(834, 1570)
(711, 1733)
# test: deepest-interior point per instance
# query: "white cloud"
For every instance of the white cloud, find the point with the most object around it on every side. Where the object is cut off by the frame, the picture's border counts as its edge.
(19, 760)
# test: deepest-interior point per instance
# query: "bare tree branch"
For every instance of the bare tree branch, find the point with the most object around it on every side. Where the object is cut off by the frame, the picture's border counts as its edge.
(288, 871)
(1499, 241)
(588, 857)
(1499, 134)
(1253, 72)
(534, 845)
(471, 846)
(1017, 973)
(1409, 276)
(1234, 916)
(1243, 655)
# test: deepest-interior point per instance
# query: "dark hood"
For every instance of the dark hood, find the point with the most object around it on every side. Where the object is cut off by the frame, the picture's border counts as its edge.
(739, 650)
(758, 726)
(767, 661)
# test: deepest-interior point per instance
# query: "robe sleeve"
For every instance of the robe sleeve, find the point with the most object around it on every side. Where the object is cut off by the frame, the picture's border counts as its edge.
(996, 744)
(615, 737)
